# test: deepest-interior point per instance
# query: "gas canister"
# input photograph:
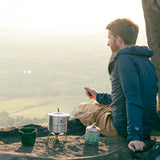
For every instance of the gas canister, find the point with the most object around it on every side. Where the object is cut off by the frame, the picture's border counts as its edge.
(92, 134)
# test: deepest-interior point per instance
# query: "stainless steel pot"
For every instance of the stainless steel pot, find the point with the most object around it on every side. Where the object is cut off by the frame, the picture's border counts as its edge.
(58, 122)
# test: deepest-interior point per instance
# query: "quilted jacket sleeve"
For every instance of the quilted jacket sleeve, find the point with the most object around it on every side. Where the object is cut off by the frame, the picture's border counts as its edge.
(104, 98)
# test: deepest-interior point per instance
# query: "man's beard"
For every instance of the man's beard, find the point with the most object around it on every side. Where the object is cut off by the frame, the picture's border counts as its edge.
(114, 47)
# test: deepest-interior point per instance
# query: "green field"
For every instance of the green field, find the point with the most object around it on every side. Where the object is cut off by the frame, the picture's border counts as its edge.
(35, 110)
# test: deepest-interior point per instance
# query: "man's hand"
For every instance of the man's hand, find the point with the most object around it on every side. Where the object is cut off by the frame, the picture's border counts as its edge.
(136, 146)
(91, 93)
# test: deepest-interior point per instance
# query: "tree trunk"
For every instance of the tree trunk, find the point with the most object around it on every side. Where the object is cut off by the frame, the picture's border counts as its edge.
(151, 9)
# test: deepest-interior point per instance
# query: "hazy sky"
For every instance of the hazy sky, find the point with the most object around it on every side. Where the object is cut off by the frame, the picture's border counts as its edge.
(67, 16)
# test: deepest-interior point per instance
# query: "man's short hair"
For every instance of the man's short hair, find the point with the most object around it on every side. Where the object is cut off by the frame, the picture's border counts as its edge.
(125, 28)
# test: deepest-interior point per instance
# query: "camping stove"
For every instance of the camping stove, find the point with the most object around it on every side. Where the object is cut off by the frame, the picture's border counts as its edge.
(58, 123)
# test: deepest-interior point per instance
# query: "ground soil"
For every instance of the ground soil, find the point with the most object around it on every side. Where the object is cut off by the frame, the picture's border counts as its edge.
(45, 147)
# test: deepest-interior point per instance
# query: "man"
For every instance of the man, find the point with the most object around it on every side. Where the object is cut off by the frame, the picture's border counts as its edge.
(134, 85)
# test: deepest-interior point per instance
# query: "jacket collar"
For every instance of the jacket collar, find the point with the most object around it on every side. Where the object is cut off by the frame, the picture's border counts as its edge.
(111, 61)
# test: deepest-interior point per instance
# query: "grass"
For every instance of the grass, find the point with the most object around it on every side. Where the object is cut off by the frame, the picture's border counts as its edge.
(40, 107)
(15, 105)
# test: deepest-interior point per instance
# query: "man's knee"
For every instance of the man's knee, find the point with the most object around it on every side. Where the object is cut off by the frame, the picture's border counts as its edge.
(81, 105)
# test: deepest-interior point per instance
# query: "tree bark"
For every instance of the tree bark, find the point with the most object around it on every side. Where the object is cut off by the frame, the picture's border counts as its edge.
(151, 10)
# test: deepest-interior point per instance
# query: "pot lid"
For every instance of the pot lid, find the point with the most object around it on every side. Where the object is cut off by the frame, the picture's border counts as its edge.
(59, 114)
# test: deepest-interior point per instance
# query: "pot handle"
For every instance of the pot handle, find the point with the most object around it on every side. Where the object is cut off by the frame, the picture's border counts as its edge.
(21, 131)
(34, 130)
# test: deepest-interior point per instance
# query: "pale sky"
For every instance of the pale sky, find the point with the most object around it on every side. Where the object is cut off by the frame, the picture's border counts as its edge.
(67, 16)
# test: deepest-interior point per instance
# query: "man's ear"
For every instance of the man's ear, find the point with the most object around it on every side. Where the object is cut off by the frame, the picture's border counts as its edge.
(119, 40)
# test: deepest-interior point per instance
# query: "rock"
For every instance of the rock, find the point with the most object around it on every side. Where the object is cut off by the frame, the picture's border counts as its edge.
(75, 147)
